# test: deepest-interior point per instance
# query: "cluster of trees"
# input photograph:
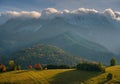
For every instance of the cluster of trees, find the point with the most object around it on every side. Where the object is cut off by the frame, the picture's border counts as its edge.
(40, 67)
(11, 67)
(90, 66)
(95, 66)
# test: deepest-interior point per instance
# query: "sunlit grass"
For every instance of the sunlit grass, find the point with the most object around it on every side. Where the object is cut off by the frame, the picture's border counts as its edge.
(102, 78)
(59, 76)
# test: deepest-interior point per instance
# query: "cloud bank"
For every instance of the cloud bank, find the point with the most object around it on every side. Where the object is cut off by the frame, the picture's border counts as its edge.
(51, 13)
(14, 14)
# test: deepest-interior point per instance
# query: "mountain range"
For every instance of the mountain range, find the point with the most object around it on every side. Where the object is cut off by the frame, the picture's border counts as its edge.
(90, 35)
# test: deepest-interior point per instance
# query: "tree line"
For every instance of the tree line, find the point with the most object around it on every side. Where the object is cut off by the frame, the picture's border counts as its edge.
(86, 66)
(12, 66)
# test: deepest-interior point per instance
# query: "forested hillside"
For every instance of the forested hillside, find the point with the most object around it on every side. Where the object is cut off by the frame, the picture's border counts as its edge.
(44, 54)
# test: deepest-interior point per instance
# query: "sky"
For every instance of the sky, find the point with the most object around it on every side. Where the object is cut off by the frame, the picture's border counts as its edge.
(38, 5)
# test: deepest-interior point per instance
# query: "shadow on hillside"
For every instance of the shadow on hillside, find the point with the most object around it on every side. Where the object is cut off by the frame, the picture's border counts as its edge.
(73, 77)
(110, 82)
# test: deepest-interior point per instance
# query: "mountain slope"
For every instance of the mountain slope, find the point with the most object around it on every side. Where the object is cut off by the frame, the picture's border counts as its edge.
(80, 47)
(44, 54)
(84, 38)
(17, 33)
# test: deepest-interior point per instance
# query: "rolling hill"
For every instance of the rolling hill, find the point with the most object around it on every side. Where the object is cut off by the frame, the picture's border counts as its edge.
(63, 76)
(60, 76)
(101, 79)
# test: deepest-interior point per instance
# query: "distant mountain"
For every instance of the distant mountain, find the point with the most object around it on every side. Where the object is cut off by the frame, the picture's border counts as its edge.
(99, 27)
(80, 47)
(44, 54)
(18, 33)
(87, 36)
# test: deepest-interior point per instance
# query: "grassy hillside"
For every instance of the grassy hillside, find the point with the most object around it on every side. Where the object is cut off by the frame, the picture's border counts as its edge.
(60, 76)
(101, 79)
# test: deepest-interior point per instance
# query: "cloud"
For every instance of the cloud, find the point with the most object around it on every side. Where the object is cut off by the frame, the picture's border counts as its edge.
(4, 16)
(14, 14)
(84, 10)
(109, 13)
(50, 13)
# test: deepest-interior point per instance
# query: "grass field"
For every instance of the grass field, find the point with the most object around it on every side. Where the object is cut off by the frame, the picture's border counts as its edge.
(60, 76)
(101, 79)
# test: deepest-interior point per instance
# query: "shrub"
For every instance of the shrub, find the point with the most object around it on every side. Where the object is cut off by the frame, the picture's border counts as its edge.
(30, 67)
(109, 76)
(38, 66)
(2, 68)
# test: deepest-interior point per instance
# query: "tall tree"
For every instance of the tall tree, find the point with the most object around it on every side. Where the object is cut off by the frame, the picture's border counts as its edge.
(11, 65)
(113, 62)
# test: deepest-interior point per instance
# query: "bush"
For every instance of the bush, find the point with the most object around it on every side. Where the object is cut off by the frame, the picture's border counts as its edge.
(30, 67)
(109, 76)
(90, 67)
(38, 66)
(2, 68)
